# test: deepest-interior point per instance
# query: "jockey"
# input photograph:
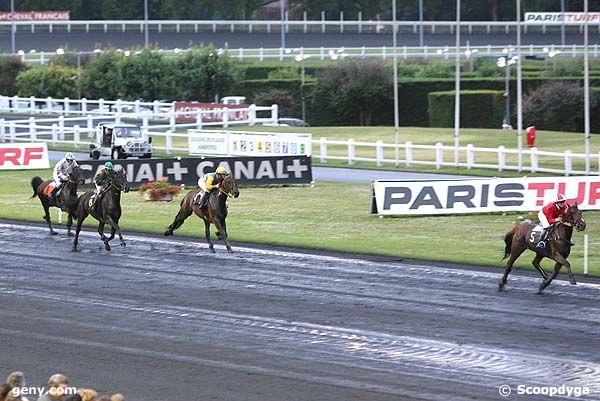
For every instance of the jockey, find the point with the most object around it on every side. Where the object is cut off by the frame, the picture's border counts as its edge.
(102, 180)
(552, 213)
(207, 183)
(63, 168)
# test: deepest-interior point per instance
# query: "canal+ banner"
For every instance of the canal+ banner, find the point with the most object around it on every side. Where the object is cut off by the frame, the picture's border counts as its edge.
(480, 195)
(186, 171)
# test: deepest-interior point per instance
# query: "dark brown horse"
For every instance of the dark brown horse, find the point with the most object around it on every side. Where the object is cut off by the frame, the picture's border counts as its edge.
(214, 213)
(558, 247)
(107, 210)
(66, 200)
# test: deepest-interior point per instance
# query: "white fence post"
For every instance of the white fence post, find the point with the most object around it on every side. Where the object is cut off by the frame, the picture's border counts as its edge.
(76, 136)
(2, 129)
(90, 125)
(66, 105)
(470, 156)
(15, 103)
(61, 127)
(136, 107)
(101, 105)
(274, 112)
(199, 119)
(155, 107)
(379, 152)
(225, 117)
(49, 103)
(501, 158)
(568, 163)
(172, 120)
(119, 107)
(54, 134)
(534, 159)
(32, 133)
(585, 254)
(32, 104)
(323, 149)
(83, 105)
(251, 114)
(351, 151)
(168, 141)
(408, 151)
(13, 131)
(145, 120)
(439, 155)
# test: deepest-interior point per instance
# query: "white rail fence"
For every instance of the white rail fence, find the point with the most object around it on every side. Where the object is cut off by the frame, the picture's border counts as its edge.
(334, 53)
(55, 132)
(155, 111)
(322, 25)
(433, 155)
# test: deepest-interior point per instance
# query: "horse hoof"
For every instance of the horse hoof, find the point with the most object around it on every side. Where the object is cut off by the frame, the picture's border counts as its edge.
(123, 244)
(74, 249)
(107, 247)
(229, 250)
(212, 250)
(500, 287)
(573, 282)
(168, 232)
(70, 234)
(53, 233)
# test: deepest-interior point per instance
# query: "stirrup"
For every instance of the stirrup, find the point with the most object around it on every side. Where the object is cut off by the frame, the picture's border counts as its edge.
(541, 244)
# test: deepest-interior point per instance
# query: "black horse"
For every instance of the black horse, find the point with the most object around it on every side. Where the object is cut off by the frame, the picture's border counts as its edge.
(214, 213)
(558, 248)
(107, 210)
(66, 200)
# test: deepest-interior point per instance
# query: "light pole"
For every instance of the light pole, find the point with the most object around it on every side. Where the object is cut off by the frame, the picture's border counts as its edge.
(282, 6)
(12, 26)
(421, 24)
(300, 58)
(586, 87)
(505, 62)
(457, 88)
(395, 74)
(562, 26)
(519, 91)
(146, 33)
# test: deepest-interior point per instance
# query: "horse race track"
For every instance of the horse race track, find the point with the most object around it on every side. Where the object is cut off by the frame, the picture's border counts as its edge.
(165, 320)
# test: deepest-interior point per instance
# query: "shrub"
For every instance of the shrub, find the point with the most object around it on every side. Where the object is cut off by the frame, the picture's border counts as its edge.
(10, 68)
(287, 104)
(478, 109)
(156, 190)
(54, 81)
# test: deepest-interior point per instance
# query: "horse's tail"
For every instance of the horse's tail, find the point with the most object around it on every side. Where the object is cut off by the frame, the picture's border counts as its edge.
(508, 238)
(35, 183)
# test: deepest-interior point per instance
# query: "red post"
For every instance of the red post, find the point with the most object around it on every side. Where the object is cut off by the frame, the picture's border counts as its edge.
(530, 133)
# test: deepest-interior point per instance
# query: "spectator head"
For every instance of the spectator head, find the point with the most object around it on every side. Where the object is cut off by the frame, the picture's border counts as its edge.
(16, 379)
(57, 384)
(88, 395)
(117, 397)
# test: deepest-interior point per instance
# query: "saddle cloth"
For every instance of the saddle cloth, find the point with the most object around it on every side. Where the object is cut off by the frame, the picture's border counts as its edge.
(49, 188)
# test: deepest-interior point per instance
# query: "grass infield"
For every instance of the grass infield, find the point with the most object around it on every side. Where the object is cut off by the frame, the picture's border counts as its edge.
(330, 216)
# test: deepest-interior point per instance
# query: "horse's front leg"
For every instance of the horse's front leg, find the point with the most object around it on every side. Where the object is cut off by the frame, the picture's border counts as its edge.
(536, 263)
(69, 224)
(557, 266)
(115, 227)
(211, 246)
(224, 236)
(102, 236)
(79, 223)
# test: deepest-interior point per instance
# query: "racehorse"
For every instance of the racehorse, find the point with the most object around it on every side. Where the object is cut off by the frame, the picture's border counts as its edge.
(107, 210)
(214, 213)
(66, 200)
(558, 247)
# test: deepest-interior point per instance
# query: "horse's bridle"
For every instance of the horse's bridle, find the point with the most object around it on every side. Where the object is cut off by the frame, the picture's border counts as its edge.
(227, 193)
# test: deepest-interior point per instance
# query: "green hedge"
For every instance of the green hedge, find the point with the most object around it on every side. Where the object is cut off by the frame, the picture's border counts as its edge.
(478, 108)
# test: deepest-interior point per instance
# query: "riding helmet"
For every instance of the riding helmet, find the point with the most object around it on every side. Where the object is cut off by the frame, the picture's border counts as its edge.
(560, 198)
(108, 165)
(70, 156)
(221, 170)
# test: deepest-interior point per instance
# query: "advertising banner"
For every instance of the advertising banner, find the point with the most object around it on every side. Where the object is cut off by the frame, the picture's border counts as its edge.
(428, 197)
(36, 16)
(245, 170)
(236, 112)
(247, 144)
(560, 18)
(23, 156)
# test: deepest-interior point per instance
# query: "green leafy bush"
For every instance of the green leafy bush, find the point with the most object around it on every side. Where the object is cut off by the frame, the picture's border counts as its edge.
(478, 108)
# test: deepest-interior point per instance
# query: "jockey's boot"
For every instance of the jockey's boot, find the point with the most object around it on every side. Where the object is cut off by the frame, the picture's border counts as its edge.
(54, 193)
(94, 201)
(543, 238)
(203, 199)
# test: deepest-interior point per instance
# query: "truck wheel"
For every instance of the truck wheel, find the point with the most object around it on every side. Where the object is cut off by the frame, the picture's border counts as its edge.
(116, 154)
(95, 155)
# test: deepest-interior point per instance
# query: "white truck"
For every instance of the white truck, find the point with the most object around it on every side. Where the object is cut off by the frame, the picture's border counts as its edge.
(120, 141)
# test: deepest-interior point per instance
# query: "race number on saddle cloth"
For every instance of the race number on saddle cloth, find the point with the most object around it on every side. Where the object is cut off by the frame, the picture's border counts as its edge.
(207, 183)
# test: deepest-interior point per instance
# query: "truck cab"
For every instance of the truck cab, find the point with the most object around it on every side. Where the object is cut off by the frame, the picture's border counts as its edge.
(233, 100)
(120, 141)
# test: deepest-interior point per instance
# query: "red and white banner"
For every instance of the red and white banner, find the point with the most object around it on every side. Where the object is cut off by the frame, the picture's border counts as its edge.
(236, 112)
(36, 16)
(23, 156)
(484, 195)
(560, 18)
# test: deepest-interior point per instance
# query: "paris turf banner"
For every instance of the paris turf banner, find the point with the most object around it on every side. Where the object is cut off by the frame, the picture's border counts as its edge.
(186, 171)
(481, 195)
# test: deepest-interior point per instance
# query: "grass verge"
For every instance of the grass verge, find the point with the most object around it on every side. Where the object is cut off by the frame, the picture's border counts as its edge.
(331, 216)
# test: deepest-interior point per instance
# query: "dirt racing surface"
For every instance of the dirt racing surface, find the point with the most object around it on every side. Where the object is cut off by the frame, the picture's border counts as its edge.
(165, 320)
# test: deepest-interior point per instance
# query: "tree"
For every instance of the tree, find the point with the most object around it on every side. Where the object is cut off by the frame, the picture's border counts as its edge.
(10, 68)
(355, 91)
(54, 81)
(147, 75)
(202, 74)
(101, 77)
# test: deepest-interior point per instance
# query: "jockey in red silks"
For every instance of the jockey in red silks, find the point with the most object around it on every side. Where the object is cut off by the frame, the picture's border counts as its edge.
(552, 213)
